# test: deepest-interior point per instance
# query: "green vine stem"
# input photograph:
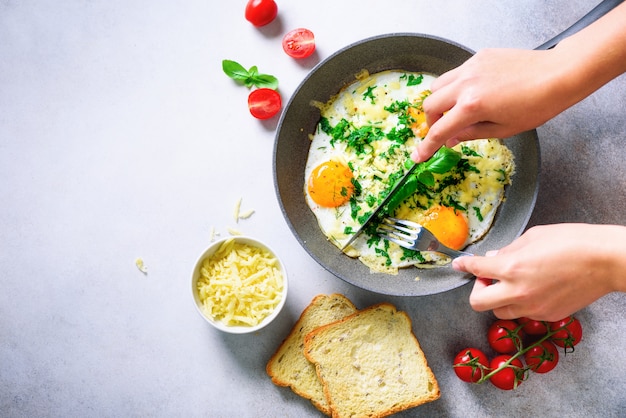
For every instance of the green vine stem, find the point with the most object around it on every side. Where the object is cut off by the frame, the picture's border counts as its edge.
(523, 351)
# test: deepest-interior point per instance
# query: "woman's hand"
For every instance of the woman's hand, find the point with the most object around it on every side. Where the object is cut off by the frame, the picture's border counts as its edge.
(495, 94)
(501, 92)
(549, 272)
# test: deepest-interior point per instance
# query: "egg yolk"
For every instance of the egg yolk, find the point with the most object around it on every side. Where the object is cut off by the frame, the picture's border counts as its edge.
(420, 126)
(449, 226)
(330, 184)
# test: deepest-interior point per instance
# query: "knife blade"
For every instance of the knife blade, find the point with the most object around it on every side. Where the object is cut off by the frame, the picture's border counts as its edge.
(374, 215)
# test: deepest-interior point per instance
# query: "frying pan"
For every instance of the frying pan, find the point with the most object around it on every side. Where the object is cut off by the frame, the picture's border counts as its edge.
(408, 52)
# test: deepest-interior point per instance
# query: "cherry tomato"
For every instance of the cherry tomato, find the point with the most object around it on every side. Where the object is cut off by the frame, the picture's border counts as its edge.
(570, 335)
(532, 327)
(264, 103)
(261, 12)
(470, 365)
(542, 358)
(505, 336)
(299, 43)
(511, 376)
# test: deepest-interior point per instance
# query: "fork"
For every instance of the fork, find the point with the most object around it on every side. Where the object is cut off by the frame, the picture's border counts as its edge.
(413, 236)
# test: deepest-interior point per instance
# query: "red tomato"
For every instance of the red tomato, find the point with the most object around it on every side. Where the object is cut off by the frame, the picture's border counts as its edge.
(264, 103)
(299, 43)
(542, 358)
(470, 365)
(261, 12)
(509, 377)
(505, 336)
(570, 335)
(532, 327)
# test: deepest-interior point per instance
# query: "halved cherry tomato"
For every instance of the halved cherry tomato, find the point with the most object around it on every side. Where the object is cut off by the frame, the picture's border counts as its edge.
(299, 43)
(542, 358)
(264, 103)
(261, 12)
(505, 336)
(470, 365)
(511, 376)
(570, 335)
(533, 327)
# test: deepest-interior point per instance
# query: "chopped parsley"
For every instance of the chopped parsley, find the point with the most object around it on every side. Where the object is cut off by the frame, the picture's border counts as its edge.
(477, 212)
(412, 79)
(369, 94)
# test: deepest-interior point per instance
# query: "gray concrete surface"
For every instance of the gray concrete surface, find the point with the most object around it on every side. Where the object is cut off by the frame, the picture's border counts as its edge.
(121, 138)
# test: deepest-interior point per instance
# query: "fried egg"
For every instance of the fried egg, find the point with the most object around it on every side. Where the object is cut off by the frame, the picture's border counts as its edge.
(361, 147)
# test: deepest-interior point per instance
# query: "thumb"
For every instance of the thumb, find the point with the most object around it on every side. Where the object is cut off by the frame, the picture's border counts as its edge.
(427, 148)
(486, 266)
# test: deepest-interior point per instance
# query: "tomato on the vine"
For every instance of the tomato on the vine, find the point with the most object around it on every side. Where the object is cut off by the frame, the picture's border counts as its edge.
(505, 336)
(533, 327)
(509, 377)
(470, 365)
(261, 12)
(542, 358)
(299, 43)
(264, 103)
(570, 335)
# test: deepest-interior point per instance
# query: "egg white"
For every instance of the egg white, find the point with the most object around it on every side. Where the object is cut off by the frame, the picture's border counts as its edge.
(365, 105)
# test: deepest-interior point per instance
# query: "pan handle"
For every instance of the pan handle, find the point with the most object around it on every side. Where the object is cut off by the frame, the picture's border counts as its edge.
(596, 13)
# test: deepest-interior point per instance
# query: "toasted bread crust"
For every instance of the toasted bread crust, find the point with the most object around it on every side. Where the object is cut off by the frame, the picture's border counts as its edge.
(289, 367)
(371, 353)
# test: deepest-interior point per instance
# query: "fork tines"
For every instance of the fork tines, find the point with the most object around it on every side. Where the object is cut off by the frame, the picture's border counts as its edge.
(402, 232)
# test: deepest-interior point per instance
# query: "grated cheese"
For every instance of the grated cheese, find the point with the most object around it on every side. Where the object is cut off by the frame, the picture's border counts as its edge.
(141, 266)
(240, 284)
(237, 209)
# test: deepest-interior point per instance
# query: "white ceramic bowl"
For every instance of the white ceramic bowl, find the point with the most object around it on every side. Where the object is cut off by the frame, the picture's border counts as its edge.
(238, 329)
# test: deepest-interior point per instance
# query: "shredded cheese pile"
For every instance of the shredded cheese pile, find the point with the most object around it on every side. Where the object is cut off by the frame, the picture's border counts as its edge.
(240, 284)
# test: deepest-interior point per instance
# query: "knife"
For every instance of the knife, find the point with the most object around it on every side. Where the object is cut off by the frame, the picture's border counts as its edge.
(382, 207)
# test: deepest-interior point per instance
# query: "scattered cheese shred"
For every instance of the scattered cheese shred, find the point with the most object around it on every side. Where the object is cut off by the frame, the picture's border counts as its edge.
(246, 214)
(213, 234)
(240, 284)
(141, 266)
(233, 231)
(238, 214)
(237, 209)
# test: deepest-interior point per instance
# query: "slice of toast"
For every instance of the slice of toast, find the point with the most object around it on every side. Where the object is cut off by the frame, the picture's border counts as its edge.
(371, 364)
(289, 367)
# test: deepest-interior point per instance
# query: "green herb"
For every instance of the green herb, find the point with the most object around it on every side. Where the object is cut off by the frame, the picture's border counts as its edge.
(369, 94)
(397, 107)
(455, 205)
(468, 151)
(250, 77)
(412, 255)
(370, 199)
(444, 160)
(412, 79)
(478, 214)
(354, 207)
(400, 135)
(384, 254)
(361, 219)
(357, 186)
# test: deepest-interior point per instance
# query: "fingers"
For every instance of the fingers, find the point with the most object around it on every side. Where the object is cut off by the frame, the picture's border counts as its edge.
(488, 294)
(450, 123)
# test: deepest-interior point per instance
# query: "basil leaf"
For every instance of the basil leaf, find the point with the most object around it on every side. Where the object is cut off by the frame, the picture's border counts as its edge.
(443, 161)
(401, 195)
(426, 178)
(234, 70)
(266, 81)
(250, 77)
